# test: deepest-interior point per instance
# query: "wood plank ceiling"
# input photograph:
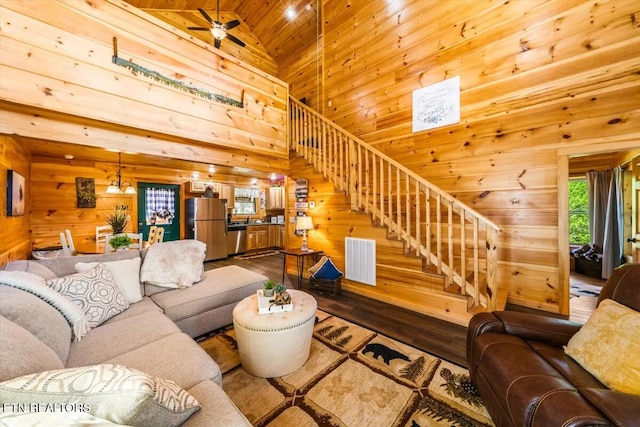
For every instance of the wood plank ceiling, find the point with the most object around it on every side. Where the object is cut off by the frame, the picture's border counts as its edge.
(270, 37)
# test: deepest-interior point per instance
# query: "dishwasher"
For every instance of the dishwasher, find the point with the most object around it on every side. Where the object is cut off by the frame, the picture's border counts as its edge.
(236, 239)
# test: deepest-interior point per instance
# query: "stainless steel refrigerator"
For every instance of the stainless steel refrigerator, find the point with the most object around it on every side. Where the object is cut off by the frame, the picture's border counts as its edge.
(207, 222)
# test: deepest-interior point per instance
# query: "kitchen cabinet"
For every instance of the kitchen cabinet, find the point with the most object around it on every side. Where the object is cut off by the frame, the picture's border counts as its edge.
(276, 236)
(201, 186)
(226, 192)
(275, 198)
(257, 237)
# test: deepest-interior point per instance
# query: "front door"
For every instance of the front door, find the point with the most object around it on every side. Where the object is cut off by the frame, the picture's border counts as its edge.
(159, 205)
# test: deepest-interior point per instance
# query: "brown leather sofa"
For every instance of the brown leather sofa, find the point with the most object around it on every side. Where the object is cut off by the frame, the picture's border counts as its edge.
(519, 367)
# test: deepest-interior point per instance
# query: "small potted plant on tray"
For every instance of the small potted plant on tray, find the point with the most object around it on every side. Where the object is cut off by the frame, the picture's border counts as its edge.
(268, 288)
(120, 242)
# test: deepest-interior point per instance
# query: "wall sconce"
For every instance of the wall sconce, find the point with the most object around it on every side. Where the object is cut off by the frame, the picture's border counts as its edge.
(116, 187)
(304, 223)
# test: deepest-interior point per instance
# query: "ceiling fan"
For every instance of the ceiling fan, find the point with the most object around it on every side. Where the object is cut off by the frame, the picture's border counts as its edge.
(218, 29)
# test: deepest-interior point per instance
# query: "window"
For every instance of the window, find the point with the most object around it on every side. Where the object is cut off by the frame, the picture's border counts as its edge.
(578, 212)
(160, 204)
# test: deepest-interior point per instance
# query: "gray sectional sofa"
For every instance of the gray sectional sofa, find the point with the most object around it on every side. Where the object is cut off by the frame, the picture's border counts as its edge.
(153, 335)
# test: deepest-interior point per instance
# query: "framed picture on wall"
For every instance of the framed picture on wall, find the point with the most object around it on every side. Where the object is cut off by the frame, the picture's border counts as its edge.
(16, 193)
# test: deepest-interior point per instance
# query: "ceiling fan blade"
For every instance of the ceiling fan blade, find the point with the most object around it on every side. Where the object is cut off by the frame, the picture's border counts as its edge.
(216, 43)
(207, 17)
(236, 40)
(199, 28)
(232, 24)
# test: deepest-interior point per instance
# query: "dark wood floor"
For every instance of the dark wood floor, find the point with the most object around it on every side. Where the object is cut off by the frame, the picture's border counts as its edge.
(434, 336)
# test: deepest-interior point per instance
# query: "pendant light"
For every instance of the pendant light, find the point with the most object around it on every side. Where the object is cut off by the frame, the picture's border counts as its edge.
(116, 187)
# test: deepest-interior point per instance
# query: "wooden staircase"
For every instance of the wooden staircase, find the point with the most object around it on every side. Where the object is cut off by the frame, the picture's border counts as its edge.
(453, 240)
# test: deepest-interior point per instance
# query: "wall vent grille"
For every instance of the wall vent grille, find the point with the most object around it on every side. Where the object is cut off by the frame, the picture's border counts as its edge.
(361, 260)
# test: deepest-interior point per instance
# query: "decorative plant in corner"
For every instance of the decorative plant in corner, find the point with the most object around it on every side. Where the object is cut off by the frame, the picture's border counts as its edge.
(268, 288)
(118, 219)
(120, 242)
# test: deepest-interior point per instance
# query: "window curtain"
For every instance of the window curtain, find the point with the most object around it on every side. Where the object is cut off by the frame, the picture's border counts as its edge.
(160, 202)
(598, 195)
(614, 226)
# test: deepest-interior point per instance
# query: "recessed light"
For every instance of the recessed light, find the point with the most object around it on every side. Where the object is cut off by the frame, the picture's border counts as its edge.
(290, 13)
(212, 169)
(195, 175)
(68, 156)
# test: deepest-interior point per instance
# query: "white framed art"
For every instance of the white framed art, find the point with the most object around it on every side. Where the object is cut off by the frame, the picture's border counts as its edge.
(436, 105)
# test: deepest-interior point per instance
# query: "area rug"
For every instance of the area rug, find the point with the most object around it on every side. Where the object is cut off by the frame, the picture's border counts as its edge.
(354, 377)
(578, 289)
(257, 254)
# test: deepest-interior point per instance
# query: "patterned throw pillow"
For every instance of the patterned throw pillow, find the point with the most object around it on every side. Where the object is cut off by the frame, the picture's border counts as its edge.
(126, 274)
(111, 392)
(94, 291)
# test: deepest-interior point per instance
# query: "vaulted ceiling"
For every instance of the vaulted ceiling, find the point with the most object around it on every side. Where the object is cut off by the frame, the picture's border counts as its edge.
(270, 36)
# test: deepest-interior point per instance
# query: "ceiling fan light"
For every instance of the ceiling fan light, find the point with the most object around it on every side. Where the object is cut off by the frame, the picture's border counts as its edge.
(218, 32)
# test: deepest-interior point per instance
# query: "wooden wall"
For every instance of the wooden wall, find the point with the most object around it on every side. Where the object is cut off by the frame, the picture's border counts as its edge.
(14, 230)
(540, 81)
(303, 72)
(59, 82)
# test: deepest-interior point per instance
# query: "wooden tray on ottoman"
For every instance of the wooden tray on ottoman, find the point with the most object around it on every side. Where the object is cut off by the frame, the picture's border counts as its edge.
(326, 284)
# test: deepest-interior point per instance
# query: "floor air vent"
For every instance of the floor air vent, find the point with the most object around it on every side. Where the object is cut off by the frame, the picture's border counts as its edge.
(361, 260)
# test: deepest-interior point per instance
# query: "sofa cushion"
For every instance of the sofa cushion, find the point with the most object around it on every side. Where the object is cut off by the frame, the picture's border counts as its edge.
(125, 272)
(39, 318)
(176, 357)
(608, 346)
(145, 305)
(524, 385)
(113, 339)
(35, 285)
(221, 286)
(66, 265)
(94, 291)
(22, 353)
(217, 408)
(32, 267)
(115, 393)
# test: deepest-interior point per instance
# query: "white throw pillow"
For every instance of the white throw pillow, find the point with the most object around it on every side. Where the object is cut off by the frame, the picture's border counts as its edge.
(126, 273)
(94, 291)
(112, 392)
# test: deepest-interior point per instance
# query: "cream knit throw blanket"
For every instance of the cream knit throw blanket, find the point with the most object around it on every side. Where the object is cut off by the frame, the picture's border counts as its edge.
(174, 264)
(35, 285)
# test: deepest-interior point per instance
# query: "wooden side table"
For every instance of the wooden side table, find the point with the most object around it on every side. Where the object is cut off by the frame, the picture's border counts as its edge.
(300, 255)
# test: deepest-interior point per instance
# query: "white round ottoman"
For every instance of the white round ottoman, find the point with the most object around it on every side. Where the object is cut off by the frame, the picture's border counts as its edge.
(275, 344)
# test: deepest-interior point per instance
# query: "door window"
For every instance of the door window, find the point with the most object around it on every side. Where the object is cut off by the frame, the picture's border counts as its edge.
(160, 204)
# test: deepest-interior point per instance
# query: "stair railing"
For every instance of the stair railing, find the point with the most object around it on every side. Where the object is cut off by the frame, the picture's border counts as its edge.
(453, 239)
